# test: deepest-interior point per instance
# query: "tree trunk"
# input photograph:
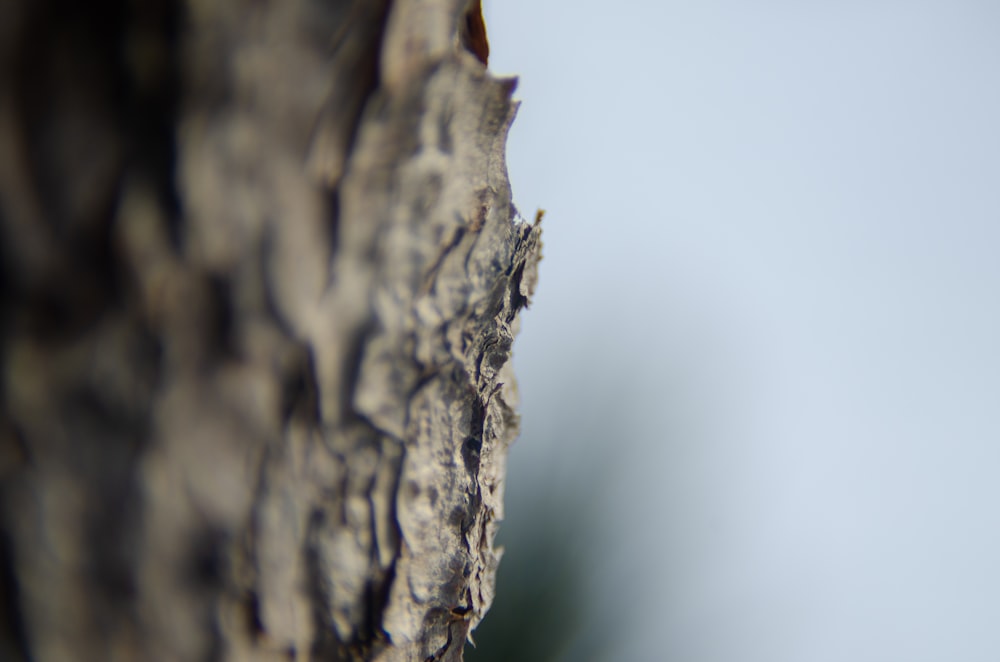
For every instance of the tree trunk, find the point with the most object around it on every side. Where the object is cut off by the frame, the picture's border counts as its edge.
(260, 279)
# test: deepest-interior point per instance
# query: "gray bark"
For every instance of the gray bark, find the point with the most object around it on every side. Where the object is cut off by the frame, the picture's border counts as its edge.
(261, 276)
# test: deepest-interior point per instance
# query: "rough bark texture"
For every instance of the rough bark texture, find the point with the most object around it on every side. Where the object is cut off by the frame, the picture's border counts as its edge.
(261, 275)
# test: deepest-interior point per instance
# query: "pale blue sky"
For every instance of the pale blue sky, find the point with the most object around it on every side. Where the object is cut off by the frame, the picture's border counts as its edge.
(769, 303)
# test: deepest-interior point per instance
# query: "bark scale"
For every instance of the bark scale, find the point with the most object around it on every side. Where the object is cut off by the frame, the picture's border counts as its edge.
(261, 275)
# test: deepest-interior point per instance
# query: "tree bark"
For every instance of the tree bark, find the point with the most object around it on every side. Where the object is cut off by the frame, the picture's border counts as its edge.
(260, 279)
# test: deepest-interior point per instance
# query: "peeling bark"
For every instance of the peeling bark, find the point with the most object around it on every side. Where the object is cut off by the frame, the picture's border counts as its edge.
(261, 277)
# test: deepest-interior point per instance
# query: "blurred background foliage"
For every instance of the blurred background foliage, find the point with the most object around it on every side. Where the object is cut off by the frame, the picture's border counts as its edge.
(760, 376)
(554, 602)
(540, 605)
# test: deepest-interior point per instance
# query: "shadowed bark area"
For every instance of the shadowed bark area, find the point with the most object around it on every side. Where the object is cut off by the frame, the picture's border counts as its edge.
(260, 280)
